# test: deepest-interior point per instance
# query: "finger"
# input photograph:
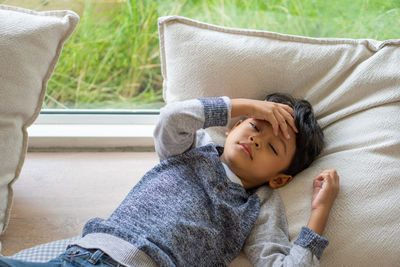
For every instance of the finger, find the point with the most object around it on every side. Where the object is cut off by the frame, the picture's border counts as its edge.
(318, 181)
(327, 172)
(331, 173)
(326, 175)
(271, 119)
(317, 186)
(289, 119)
(329, 179)
(335, 177)
(282, 124)
(324, 178)
(287, 108)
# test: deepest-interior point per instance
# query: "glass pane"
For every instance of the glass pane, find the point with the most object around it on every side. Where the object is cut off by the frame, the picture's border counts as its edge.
(112, 60)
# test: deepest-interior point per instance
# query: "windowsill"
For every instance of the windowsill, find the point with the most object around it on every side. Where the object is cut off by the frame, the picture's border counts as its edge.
(91, 136)
(109, 131)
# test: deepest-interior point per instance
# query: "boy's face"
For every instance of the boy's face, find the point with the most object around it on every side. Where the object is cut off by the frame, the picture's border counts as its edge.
(256, 155)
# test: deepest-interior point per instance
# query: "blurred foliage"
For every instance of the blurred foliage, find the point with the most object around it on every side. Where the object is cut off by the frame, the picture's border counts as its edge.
(112, 59)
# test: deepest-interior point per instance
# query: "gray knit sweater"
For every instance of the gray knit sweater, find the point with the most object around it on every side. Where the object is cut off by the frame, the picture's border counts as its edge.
(187, 212)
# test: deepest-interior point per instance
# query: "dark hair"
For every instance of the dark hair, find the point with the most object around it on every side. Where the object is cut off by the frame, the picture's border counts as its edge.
(309, 139)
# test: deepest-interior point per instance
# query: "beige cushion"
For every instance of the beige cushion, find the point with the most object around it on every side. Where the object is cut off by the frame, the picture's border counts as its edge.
(30, 45)
(354, 88)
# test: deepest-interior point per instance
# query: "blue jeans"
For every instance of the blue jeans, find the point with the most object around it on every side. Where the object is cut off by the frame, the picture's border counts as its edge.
(74, 256)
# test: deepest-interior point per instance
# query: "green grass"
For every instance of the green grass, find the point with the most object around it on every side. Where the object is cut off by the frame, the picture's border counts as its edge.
(112, 59)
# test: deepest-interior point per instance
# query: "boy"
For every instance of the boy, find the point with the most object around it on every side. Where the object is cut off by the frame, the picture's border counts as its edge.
(197, 206)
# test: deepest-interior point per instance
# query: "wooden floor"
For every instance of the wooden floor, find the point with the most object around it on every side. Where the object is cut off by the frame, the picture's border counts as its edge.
(57, 193)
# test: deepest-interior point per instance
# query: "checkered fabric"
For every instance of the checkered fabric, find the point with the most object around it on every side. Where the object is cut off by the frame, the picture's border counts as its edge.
(44, 252)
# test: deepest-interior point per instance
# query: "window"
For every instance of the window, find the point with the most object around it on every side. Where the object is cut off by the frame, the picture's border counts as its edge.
(112, 59)
(110, 67)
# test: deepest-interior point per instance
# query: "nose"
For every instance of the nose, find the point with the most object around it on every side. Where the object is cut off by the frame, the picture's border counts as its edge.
(255, 141)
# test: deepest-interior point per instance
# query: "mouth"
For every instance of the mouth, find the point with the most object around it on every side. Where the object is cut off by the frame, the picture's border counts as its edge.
(247, 150)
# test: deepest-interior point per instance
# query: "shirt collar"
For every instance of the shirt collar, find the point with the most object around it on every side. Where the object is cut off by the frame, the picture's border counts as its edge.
(233, 177)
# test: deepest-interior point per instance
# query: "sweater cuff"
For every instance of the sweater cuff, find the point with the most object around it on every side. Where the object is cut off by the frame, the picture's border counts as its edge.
(312, 241)
(216, 111)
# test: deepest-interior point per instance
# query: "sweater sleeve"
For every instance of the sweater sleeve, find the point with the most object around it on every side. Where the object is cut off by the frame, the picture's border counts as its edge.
(268, 243)
(176, 129)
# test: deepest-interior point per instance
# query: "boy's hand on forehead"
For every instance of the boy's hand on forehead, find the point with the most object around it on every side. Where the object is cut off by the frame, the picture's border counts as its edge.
(278, 115)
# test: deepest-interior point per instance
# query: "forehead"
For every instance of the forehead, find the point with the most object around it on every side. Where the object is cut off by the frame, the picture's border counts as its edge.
(267, 123)
(290, 144)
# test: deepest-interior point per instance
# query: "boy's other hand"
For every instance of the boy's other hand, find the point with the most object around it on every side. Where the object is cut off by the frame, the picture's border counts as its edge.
(278, 115)
(326, 188)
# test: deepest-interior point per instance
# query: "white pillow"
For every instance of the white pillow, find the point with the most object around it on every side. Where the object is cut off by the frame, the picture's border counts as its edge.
(353, 86)
(30, 45)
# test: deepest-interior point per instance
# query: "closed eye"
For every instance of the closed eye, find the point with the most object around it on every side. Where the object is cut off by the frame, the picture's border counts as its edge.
(272, 147)
(254, 126)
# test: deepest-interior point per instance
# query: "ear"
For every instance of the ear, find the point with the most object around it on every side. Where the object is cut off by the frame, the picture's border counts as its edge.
(237, 124)
(280, 180)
